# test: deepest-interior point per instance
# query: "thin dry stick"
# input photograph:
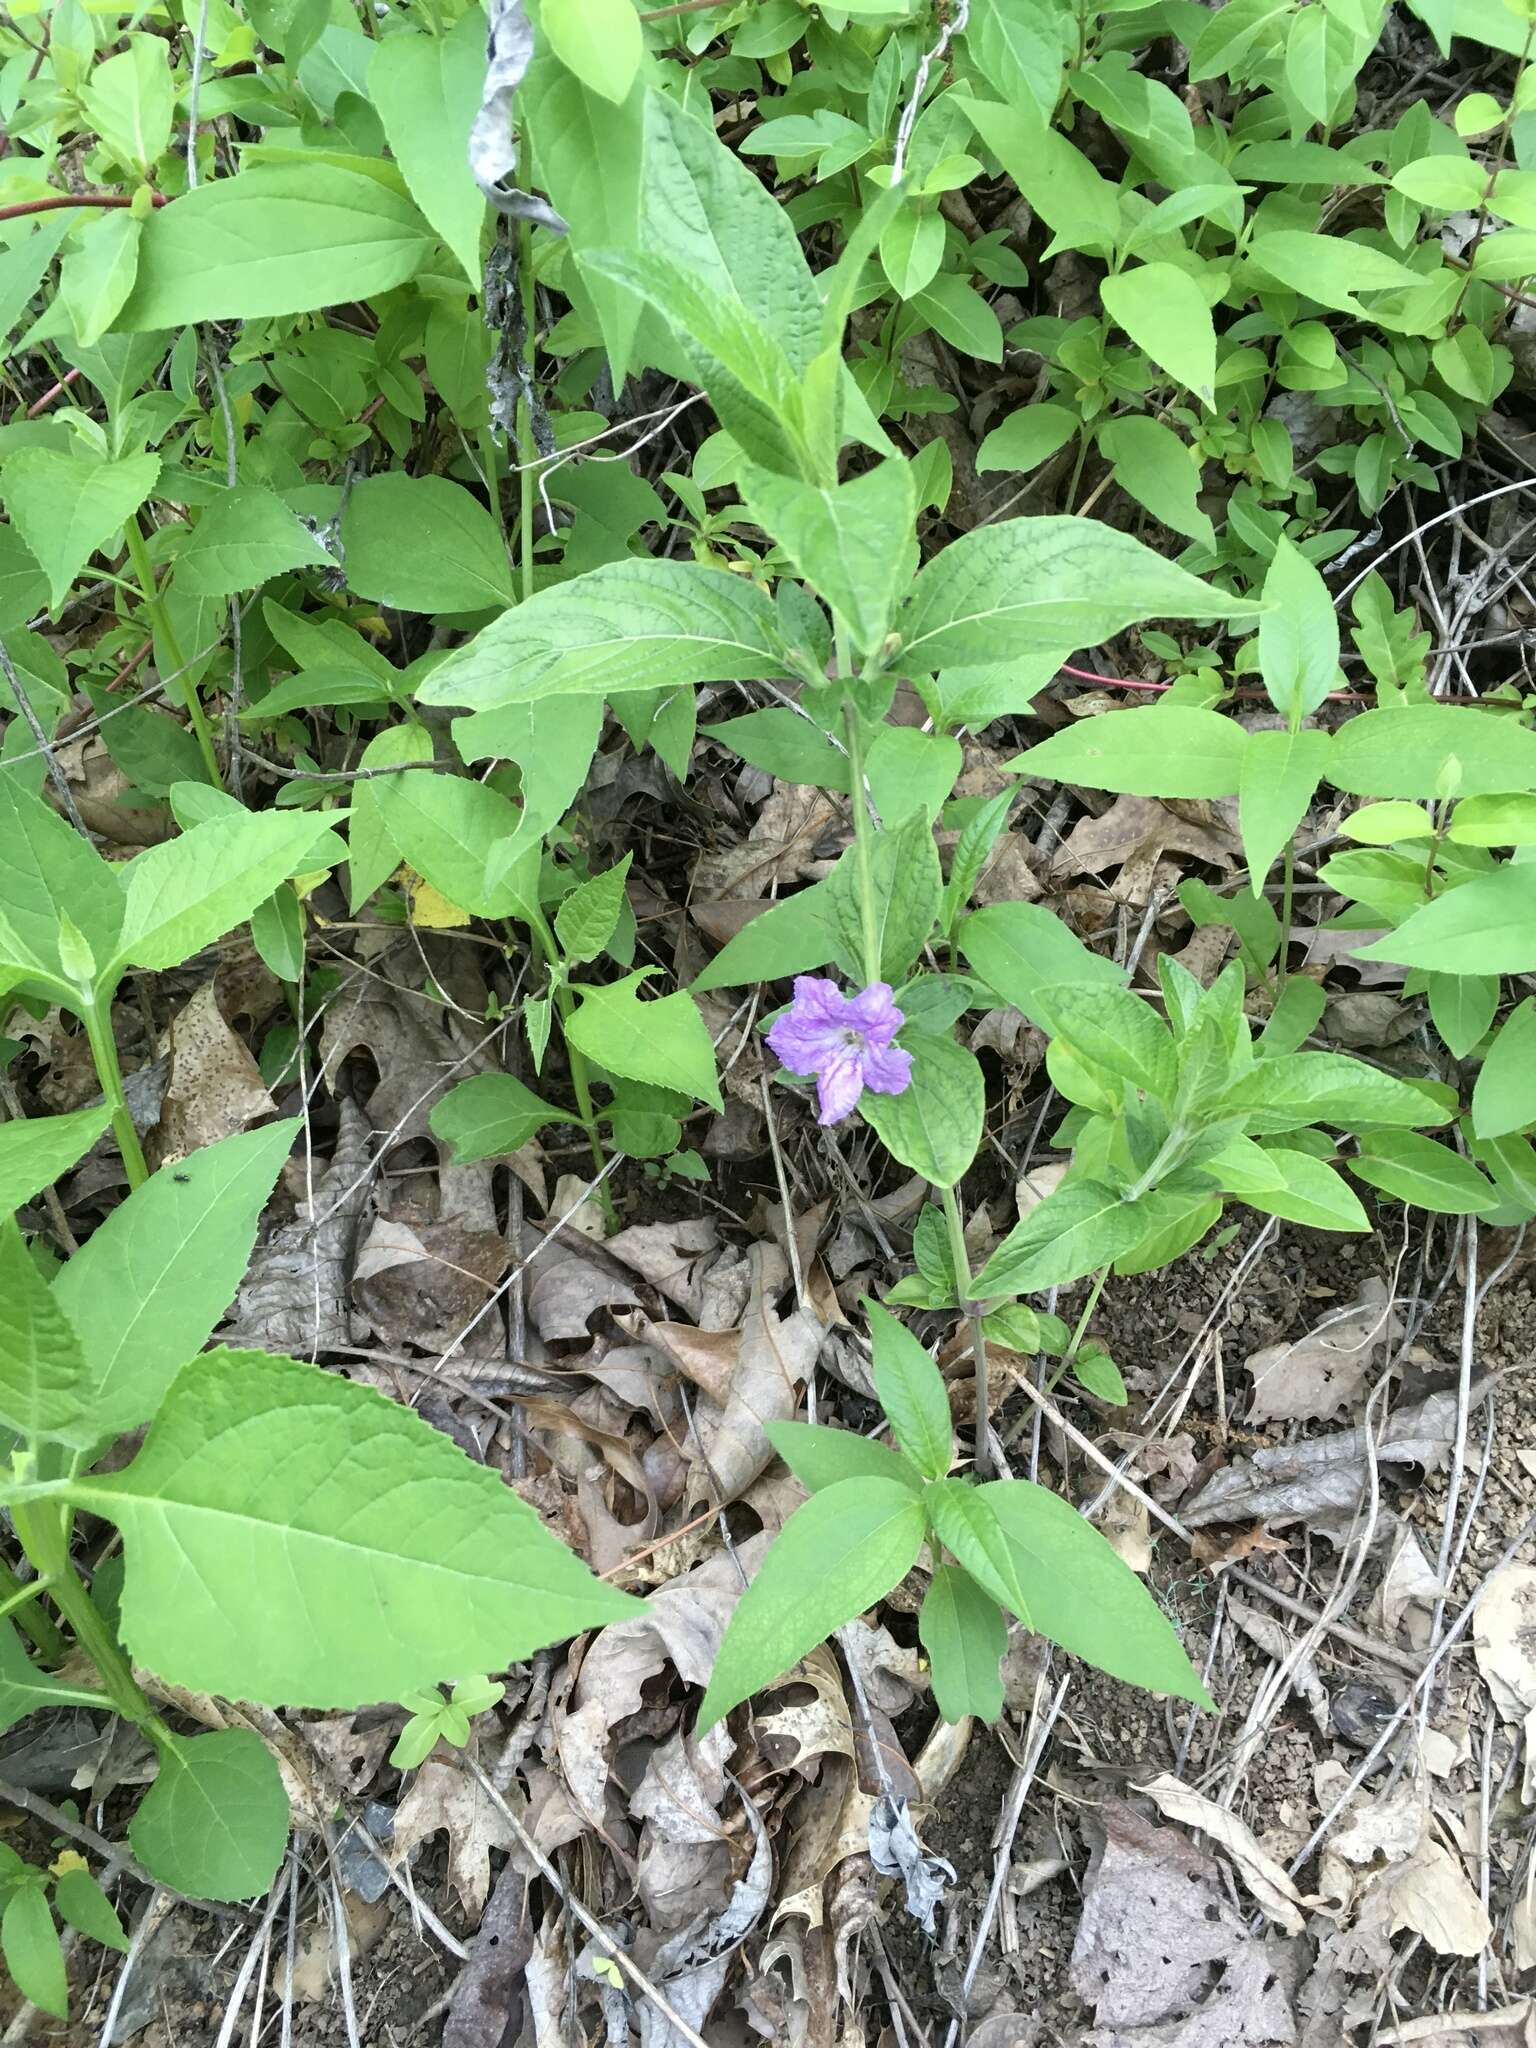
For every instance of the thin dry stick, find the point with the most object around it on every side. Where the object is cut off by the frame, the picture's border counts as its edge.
(56, 774)
(160, 1903)
(605, 1941)
(257, 1948)
(790, 1239)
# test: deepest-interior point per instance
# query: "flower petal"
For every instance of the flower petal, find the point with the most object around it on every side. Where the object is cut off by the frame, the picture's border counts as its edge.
(839, 1084)
(873, 1011)
(804, 1045)
(887, 1069)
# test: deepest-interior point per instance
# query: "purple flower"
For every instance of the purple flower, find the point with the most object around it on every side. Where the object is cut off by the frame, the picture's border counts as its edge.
(845, 1041)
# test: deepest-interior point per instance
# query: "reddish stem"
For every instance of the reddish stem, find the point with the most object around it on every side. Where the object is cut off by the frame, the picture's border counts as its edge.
(75, 199)
(57, 391)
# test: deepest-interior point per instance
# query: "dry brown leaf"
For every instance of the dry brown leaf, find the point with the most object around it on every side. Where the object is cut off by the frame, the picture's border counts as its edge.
(443, 1797)
(1263, 1874)
(779, 847)
(1508, 2026)
(213, 1088)
(421, 1282)
(1273, 1640)
(296, 1295)
(683, 1260)
(1505, 1640)
(685, 1854)
(1142, 826)
(706, 1357)
(1432, 1895)
(729, 1444)
(1216, 1551)
(1313, 1377)
(1408, 1592)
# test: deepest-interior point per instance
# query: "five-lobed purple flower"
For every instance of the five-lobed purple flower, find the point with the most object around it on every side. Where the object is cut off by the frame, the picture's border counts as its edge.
(845, 1041)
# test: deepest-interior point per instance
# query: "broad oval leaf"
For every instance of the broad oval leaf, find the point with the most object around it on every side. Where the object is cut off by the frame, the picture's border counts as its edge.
(190, 891)
(488, 1116)
(934, 1126)
(244, 536)
(455, 559)
(30, 1942)
(1187, 753)
(834, 1557)
(1411, 750)
(781, 939)
(48, 872)
(214, 1824)
(1027, 956)
(1299, 1088)
(1081, 1225)
(820, 1457)
(66, 506)
(1164, 311)
(278, 238)
(965, 1635)
(295, 1539)
(1504, 1096)
(427, 91)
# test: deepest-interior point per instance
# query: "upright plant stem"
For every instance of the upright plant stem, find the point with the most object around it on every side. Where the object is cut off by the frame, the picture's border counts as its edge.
(863, 843)
(42, 1527)
(98, 1031)
(960, 1258)
(17, 1597)
(143, 569)
(527, 453)
(1287, 900)
(1085, 1318)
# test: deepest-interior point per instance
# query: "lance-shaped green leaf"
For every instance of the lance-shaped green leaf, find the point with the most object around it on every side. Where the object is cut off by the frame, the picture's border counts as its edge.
(1026, 954)
(42, 1371)
(25, 1689)
(834, 1557)
(853, 542)
(589, 916)
(66, 506)
(1298, 635)
(964, 1633)
(1053, 584)
(1419, 750)
(49, 873)
(911, 1390)
(1278, 775)
(629, 625)
(214, 1824)
(1121, 1033)
(1186, 753)
(1415, 1169)
(907, 886)
(1164, 311)
(1485, 926)
(1080, 1225)
(1300, 1088)
(190, 891)
(490, 1115)
(1504, 1096)
(820, 1457)
(1032, 1551)
(146, 1289)
(39, 1149)
(664, 1041)
(30, 1943)
(427, 89)
(785, 938)
(292, 1537)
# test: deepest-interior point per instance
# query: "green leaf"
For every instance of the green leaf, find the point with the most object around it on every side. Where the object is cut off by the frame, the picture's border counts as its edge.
(276, 239)
(456, 560)
(1277, 780)
(427, 91)
(214, 1824)
(1027, 438)
(1409, 751)
(1511, 1162)
(47, 873)
(1168, 317)
(42, 1371)
(147, 1287)
(1447, 183)
(245, 535)
(1097, 1374)
(25, 1689)
(820, 1457)
(187, 892)
(1026, 955)
(372, 855)
(84, 1905)
(965, 1635)
(41, 1149)
(1412, 1168)
(664, 1041)
(1018, 50)
(1051, 584)
(23, 586)
(1463, 1007)
(907, 886)
(1485, 926)
(27, 261)
(130, 101)
(934, 1126)
(838, 1554)
(1119, 1032)
(629, 625)
(909, 770)
(589, 916)
(278, 933)
(1024, 1544)
(854, 542)
(1504, 1097)
(912, 248)
(294, 1538)
(32, 1953)
(489, 1116)
(1329, 268)
(1081, 1225)
(1296, 1089)
(449, 828)
(1309, 1192)
(598, 40)
(1298, 635)
(65, 507)
(1160, 471)
(97, 275)
(784, 744)
(1187, 753)
(1492, 821)
(791, 937)
(911, 1390)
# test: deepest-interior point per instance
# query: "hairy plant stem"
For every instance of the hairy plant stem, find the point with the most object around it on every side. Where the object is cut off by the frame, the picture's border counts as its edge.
(143, 569)
(1081, 1330)
(960, 1258)
(39, 1629)
(1287, 902)
(1167, 1157)
(43, 1528)
(98, 1032)
(863, 838)
(581, 1073)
